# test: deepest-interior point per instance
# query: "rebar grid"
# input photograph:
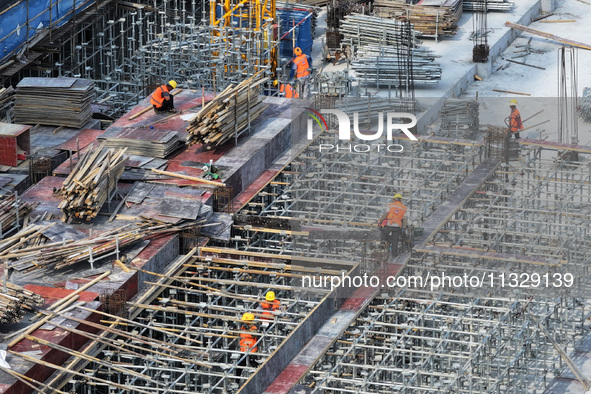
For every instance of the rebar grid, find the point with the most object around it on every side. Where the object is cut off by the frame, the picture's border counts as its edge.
(131, 48)
(420, 342)
(352, 190)
(197, 316)
(540, 209)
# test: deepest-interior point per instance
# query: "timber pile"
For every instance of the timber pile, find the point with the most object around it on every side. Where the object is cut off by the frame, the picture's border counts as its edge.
(54, 101)
(8, 211)
(430, 18)
(91, 182)
(6, 102)
(62, 254)
(14, 301)
(459, 118)
(227, 113)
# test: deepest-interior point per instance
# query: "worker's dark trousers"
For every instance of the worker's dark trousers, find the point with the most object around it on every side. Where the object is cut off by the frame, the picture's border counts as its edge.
(167, 105)
(392, 234)
(247, 361)
(516, 135)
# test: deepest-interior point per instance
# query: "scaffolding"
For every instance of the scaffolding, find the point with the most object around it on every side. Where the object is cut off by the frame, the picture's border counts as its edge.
(186, 330)
(351, 190)
(130, 48)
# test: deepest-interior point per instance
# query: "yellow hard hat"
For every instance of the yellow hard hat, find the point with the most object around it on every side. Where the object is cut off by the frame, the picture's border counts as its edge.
(270, 296)
(172, 83)
(248, 317)
(275, 82)
(513, 102)
(397, 195)
(297, 51)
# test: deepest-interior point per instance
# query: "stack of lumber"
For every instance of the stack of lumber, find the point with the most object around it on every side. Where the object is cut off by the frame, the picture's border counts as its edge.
(430, 18)
(54, 101)
(6, 102)
(8, 211)
(91, 182)
(13, 302)
(142, 141)
(459, 118)
(62, 254)
(227, 113)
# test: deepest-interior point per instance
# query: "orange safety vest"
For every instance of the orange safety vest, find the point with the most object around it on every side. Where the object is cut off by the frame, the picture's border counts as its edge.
(515, 121)
(159, 96)
(290, 92)
(302, 65)
(396, 214)
(269, 307)
(247, 341)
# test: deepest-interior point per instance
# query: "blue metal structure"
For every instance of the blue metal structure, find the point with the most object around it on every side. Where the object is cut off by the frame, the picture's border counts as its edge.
(24, 19)
(301, 36)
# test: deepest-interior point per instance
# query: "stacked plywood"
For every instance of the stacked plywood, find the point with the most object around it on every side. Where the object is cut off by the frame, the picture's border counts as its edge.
(227, 114)
(429, 18)
(142, 141)
(91, 182)
(54, 101)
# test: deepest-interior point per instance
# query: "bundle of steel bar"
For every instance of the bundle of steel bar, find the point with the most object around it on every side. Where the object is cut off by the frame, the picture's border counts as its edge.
(91, 183)
(54, 101)
(387, 66)
(459, 118)
(12, 211)
(6, 102)
(585, 105)
(336, 83)
(430, 18)
(492, 5)
(228, 114)
(361, 30)
(14, 300)
(92, 248)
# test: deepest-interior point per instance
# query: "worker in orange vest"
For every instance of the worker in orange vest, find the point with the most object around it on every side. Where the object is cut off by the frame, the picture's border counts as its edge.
(392, 223)
(514, 123)
(162, 100)
(271, 304)
(301, 68)
(247, 341)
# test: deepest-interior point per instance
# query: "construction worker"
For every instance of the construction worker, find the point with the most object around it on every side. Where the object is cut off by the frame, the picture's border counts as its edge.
(271, 304)
(286, 90)
(247, 341)
(162, 100)
(301, 69)
(392, 223)
(514, 119)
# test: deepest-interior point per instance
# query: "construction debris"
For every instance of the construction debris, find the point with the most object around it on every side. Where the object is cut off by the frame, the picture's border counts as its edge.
(54, 101)
(14, 300)
(91, 183)
(92, 248)
(12, 212)
(432, 18)
(336, 83)
(228, 114)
